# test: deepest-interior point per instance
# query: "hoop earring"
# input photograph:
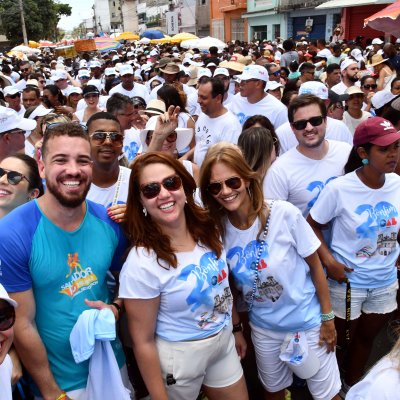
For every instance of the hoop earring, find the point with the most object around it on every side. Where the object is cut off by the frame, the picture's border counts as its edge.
(365, 161)
(144, 211)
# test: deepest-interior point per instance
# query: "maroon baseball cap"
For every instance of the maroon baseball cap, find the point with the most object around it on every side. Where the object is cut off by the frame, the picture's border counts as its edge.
(375, 130)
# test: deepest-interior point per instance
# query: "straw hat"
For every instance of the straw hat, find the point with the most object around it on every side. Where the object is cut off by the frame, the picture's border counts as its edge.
(377, 59)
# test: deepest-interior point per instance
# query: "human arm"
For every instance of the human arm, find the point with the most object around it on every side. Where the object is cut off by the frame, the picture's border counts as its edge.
(73, 81)
(327, 330)
(381, 79)
(17, 367)
(30, 347)
(166, 124)
(335, 269)
(142, 318)
(117, 212)
(240, 341)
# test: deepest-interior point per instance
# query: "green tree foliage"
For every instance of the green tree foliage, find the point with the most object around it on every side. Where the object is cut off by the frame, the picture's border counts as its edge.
(41, 19)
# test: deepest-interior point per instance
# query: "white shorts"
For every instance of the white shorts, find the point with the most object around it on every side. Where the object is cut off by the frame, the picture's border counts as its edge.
(369, 301)
(80, 394)
(213, 362)
(275, 375)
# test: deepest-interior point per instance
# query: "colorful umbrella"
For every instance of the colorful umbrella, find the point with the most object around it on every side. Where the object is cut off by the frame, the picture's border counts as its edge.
(165, 39)
(25, 49)
(104, 44)
(153, 34)
(46, 43)
(386, 20)
(33, 45)
(180, 37)
(127, 36)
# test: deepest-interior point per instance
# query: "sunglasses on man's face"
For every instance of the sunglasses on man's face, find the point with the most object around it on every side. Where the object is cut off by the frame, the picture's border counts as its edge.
(99, 137)
(153, 189)
(13, 177)
(24, 69)
(232, 183)
(302, 123)
(7, 318)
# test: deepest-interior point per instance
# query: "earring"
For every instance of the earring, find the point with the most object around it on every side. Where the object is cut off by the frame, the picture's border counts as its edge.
(365, 161)
(145, 211)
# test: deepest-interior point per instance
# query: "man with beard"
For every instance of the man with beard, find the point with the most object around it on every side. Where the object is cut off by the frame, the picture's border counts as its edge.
(300, 174)
(55, 254)
(26, 69)
(223, 74)
(349, 70)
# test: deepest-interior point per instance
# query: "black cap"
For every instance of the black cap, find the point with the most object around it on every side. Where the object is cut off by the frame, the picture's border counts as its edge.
(90, 89)
(336, 98)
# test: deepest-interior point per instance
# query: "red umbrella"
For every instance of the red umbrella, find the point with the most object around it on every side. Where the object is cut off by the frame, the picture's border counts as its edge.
(386, 20)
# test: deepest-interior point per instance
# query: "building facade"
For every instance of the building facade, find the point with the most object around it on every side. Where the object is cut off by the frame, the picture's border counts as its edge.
(107, 16)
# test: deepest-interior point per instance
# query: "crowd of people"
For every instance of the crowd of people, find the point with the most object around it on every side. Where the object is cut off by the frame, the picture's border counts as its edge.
(180, 224)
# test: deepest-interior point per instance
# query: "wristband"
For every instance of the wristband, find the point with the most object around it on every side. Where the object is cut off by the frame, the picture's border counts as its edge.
(327, 317)
(118, 307)
(237, 328)
(62, 396)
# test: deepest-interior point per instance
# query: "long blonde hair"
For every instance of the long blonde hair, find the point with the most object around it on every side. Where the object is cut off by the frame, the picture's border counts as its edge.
(231, 156)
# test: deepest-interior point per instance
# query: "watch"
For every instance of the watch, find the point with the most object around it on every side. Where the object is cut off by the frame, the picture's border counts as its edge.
(237, 328)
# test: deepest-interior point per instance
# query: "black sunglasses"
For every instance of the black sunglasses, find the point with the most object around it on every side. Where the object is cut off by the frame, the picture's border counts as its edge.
(276, 73)
(13, 177)
(7, 318)
(100, 137)
(373, 86)
(314, 121)
(232, 183)
(153, 189)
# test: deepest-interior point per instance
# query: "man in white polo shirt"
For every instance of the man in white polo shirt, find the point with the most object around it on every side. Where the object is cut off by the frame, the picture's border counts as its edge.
(128, 87)
(252, 99)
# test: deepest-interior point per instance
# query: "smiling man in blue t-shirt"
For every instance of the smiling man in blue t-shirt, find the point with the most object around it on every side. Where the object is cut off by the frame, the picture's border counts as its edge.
(54, 256)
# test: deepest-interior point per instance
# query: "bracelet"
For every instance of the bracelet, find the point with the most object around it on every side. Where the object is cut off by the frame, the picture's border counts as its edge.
(118, 307)
(237, 328)
(327, 317)
(62, 396)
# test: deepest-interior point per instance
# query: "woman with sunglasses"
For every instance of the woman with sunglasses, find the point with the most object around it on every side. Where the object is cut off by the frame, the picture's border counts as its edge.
(368, 86)
(91, 95)
(7, 319)
(360, 258)
(20, 182)
(272, 256)
(163, 134)
(175, 288)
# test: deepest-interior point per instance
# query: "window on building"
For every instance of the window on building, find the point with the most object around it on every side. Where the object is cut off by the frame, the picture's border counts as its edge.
(277, 31)
(237, 29)
(203, 2)
(260, 32)
(114, 3)
(218, 29)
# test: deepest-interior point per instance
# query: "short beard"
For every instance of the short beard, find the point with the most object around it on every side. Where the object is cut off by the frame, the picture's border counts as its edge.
(353, 79)
(72, 202)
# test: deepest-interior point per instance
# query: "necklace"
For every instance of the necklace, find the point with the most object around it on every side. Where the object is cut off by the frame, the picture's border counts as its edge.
(260, 250)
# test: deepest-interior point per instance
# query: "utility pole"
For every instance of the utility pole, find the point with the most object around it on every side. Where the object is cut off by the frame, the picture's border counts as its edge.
(21, 10)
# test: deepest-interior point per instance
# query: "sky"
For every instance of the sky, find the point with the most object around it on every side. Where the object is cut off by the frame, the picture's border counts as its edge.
(81, 9)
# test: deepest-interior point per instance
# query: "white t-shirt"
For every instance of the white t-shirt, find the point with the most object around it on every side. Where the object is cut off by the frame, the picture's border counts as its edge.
(352, 123)
(381, 383)
(195, 298)
(285, 299)
(365, 227)
(339, 88)
(229, 99)
(209, 131)
(335, 130)
(29, 149)
(5, 379)
(138, 90)
(105, 196)
(102, 103)
(299, 179)
(132, 143)
(269, 106)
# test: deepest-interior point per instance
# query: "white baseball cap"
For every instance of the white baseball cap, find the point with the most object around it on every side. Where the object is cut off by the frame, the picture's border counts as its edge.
(75, 89)
(377, 41)
(40, 111)
(254, 72)
(381, 98)
(125, 69)
(357, 54)
(83, 73)
(4, 296)
(129, 54)
(110, 71)
(314, 87)
(324, 53)
(203, 72)
(346, 63)
(9, 120)
(273, 85)
(221, 71)
(115, 58)
(10, 91)
(95, 63)
(58, 74)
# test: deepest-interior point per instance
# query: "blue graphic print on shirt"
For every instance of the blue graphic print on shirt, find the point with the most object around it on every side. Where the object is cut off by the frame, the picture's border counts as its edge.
(317, 185)
(378, 228)
(210, 273)
(131, 151)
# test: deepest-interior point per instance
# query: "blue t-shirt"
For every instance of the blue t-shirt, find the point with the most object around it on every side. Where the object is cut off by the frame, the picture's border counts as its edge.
(63, 269)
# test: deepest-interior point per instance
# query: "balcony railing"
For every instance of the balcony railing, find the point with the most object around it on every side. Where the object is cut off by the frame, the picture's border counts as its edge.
(286, 5)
